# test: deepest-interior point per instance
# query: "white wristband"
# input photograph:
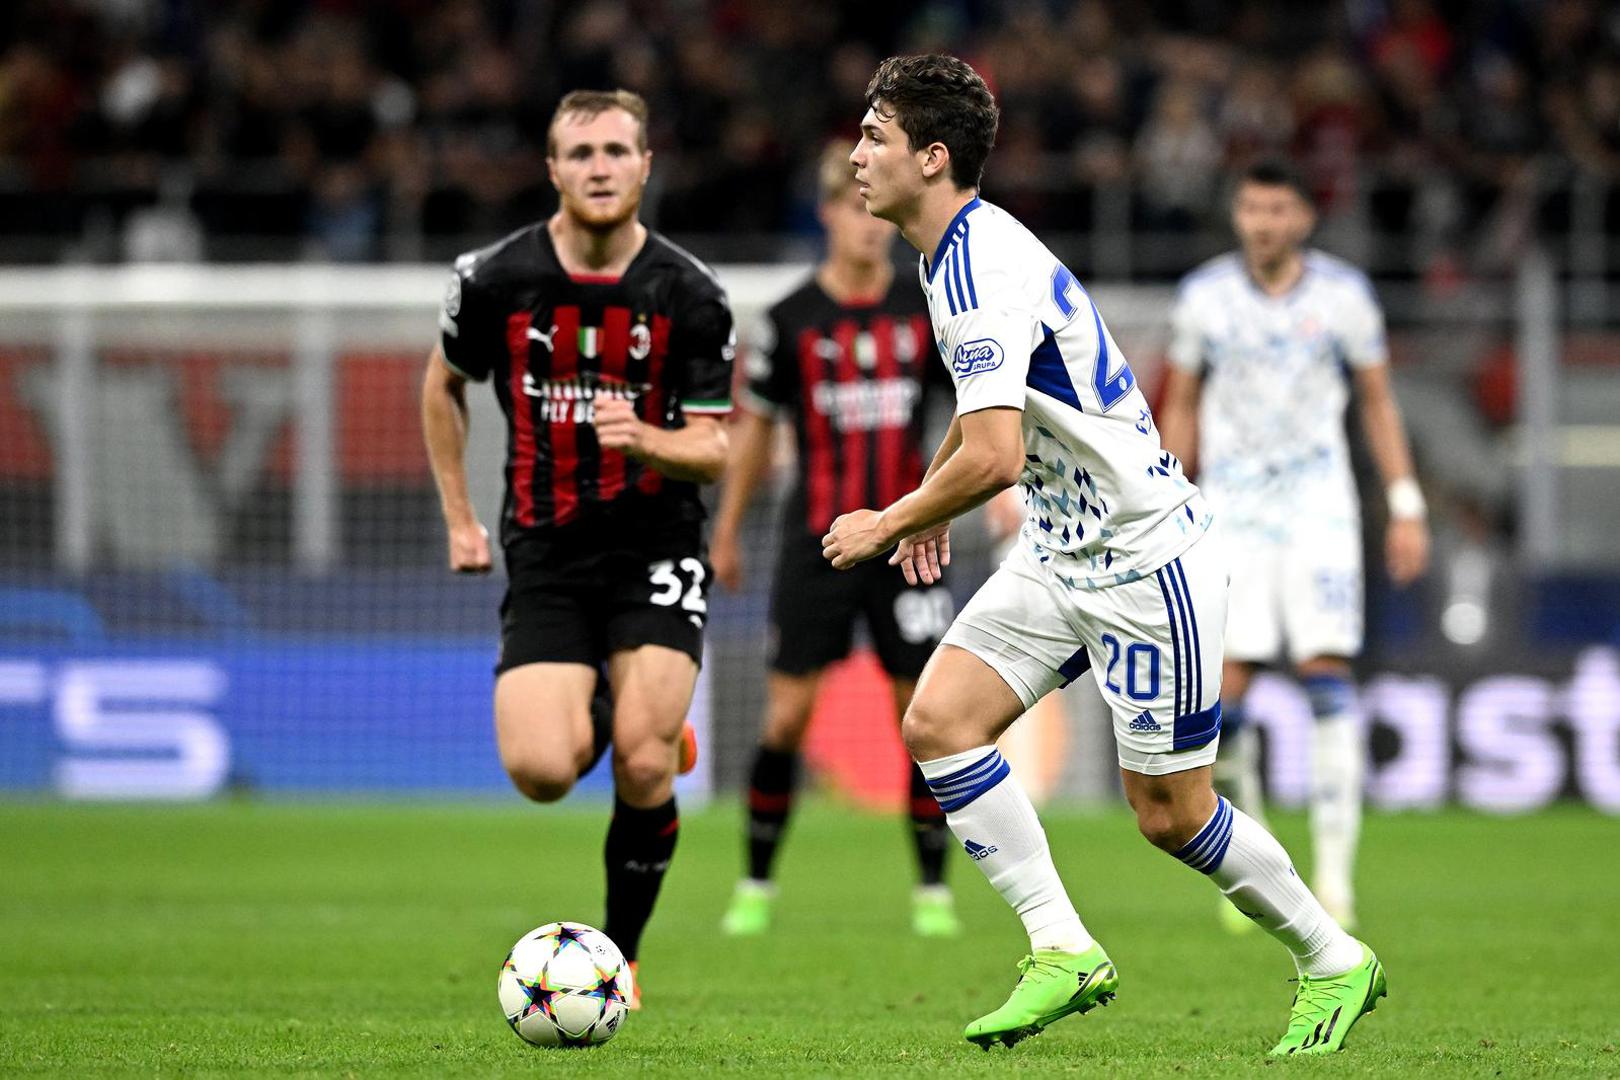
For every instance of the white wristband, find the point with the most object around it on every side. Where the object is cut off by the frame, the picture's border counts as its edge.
(1406, 499)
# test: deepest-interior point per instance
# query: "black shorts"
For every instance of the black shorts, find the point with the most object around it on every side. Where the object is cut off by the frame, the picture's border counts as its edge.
(814, 608)
(580, 600)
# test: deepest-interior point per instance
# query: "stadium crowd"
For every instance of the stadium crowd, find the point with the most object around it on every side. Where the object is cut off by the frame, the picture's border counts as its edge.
(377, 129)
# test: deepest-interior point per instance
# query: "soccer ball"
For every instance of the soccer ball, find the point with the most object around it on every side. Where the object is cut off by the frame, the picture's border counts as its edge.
(565, 984)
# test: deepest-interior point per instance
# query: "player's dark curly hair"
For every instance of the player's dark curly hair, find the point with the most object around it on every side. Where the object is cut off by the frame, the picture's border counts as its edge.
(939, 99)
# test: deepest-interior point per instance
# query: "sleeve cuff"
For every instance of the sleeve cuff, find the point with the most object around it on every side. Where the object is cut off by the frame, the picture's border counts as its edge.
(979, 405)
(707, 407)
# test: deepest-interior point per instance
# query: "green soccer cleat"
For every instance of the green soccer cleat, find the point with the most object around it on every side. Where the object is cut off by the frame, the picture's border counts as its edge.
(1325, 1009)
(1051, 985)
(750, 912)
(933, 912)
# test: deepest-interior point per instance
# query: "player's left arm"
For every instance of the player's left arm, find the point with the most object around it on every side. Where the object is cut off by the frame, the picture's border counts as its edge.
(705, 342)
(1406, 540)
(696, 452)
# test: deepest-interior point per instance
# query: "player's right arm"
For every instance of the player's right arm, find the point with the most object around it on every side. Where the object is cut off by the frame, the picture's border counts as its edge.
(444, 429)
(469, 329)
(1177, 415)
(947, 446)
(987, 352)
(923, 556)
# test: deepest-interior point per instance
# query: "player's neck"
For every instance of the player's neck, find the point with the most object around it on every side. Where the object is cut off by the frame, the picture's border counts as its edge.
(935, 212)
(850, 281)
(1280, 277)
(606, 253)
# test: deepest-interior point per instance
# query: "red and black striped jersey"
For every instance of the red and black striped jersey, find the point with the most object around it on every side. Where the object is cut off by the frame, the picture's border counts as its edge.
(661, 336)
(853, 377)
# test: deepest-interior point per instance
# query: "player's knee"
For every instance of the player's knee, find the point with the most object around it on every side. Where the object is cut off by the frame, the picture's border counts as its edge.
(1158, 824)
(644, 767)
(923, 730)
(1162, 815)
(785, 724)
(542, 780)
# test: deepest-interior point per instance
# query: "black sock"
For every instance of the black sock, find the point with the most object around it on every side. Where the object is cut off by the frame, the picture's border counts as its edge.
(770, 801)
(637, 852)
(928, 830)
(601, 721)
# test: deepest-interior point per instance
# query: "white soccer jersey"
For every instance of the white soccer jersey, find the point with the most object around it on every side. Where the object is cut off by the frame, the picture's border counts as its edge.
(1107, 505)
(1272, 451)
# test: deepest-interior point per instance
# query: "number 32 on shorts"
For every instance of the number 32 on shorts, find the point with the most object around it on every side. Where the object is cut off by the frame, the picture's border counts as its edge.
(669, 588)
(1141, 668)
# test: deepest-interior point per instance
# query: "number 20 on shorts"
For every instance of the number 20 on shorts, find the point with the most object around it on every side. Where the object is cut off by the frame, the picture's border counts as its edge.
(1141, 666)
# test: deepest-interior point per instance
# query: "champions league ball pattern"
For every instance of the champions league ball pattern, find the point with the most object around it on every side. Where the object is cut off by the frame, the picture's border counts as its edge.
(565, 984)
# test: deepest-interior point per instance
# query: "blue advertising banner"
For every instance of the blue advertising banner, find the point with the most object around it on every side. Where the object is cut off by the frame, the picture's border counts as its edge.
(180, 720)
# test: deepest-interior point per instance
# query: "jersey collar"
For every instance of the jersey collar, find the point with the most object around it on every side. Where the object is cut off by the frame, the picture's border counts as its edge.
(932, 265)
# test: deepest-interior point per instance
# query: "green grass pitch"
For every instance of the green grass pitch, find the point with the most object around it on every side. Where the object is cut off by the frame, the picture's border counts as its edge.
(353, 940)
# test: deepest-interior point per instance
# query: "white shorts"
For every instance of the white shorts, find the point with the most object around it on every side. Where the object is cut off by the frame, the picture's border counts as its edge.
(1153, 645)
(1302, 595)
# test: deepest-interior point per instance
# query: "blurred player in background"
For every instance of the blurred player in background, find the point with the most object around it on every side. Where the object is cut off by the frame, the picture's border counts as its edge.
(1265, 343)
(610, 350)
(848, 357)
(1115, 571)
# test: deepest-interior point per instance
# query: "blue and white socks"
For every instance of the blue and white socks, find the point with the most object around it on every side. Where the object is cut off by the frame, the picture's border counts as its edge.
(1255, 873)
(1337, 766)
(993, 819)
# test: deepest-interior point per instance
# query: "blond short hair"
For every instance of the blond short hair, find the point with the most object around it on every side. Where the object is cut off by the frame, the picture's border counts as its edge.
(834, 174)
(589, 104)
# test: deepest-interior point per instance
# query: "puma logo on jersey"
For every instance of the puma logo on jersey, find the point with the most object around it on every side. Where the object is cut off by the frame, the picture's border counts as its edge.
(973, 357)
(545, 338)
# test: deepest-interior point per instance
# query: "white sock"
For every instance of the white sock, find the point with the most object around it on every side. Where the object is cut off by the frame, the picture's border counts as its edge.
(1237, 771)
(990, 814)
(1337, 764)
(1254, 872)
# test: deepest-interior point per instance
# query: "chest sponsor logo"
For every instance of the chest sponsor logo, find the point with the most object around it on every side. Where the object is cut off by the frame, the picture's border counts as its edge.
(573, 400)
(974, 357)
(869, 404)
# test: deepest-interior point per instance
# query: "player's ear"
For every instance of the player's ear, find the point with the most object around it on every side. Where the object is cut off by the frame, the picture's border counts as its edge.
(646, 166)
(935, 158)
(1304, 224)
(551, 171)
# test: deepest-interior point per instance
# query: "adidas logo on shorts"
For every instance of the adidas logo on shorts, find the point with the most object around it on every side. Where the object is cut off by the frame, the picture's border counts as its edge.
(1145, 722)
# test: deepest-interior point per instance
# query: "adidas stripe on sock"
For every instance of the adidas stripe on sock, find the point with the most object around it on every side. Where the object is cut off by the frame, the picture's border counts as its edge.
(993, 819)
(1253, 870)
